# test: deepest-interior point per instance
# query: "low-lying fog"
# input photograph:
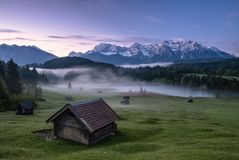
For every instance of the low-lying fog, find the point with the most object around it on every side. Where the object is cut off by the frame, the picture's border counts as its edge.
(95, 81)
(162, 64)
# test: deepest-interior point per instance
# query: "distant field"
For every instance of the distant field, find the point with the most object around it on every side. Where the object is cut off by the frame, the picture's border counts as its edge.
(150, 128)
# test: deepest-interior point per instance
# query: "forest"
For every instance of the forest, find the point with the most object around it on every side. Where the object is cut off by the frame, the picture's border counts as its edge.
(22, 82)
(221, 75)
(18, 84)
(217, 74)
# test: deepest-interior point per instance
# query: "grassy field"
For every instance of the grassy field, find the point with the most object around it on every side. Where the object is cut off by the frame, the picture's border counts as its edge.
(167, 128)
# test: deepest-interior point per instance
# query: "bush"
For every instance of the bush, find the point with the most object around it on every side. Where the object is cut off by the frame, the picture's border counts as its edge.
(3, 105)
(13, 101)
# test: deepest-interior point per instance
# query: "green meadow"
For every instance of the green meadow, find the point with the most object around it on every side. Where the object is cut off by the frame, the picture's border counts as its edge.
(150, 128)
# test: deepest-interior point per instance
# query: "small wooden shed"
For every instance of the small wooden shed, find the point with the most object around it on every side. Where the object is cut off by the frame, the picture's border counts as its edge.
(25, 108)
(125, 100)
(86, 122)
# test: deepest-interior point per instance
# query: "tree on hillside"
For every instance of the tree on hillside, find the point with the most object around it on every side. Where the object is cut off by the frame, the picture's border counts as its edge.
(38, 93)
(29, 78)
(2, 72)
(3, 90)
(13, 79)
(43, 78)
(3, 95)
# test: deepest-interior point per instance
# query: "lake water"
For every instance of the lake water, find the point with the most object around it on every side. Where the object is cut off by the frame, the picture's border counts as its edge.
(167, 89)
(161, 64)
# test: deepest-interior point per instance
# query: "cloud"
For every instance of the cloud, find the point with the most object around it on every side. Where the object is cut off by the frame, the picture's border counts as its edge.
(109, 40)
(18, 38)
(26, 39)
(121, 40)
(4, 30)
(79, 37)
(88, 38)
(141, 39)
(154, 19)
(58, 37)
(83, 43)
(70, 37)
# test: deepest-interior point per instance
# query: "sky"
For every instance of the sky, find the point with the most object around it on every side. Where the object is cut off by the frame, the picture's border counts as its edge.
(62, 26)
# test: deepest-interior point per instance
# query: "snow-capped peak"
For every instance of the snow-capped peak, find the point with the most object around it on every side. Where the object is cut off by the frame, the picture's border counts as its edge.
(75, 54)
(109, 49)
(171, 49)
(183, 45)
(104, 47)
(135, 45)
(166, 47)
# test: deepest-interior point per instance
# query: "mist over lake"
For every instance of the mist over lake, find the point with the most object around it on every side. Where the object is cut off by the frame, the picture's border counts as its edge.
(162, 64)
(160, 88)
(108, 83)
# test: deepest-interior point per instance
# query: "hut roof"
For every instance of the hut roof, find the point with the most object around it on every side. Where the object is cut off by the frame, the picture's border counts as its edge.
(95, 113)
(26, 104)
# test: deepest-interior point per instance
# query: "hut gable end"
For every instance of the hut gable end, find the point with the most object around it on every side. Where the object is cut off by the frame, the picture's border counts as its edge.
(68, 119)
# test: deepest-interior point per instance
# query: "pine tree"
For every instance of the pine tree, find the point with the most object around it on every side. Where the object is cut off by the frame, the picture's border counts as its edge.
(38, 93)
(13, 78)
(3, 90)
(69, 85)
(2, 72)
(3, 95)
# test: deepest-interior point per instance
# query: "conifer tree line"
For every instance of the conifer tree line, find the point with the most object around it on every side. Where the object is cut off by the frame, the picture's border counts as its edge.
(17, 81)
(10, 80)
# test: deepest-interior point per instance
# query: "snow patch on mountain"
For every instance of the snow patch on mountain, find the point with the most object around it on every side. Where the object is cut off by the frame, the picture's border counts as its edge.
(75, 54)
(167, 51)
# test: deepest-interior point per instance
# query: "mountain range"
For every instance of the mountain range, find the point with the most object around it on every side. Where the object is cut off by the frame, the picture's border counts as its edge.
(167, 51)
(23, 55)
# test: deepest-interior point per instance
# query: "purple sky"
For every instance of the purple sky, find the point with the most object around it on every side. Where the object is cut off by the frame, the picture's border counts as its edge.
(61, 26)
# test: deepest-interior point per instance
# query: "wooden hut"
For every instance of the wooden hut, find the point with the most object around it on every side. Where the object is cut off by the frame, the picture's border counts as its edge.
(25, 108)
(126, 97)
(86, 122)
(190, 100)
(125, 100)
(69, 98)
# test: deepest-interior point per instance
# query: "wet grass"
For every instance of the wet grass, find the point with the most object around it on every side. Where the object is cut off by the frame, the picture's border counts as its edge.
(149, 128)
